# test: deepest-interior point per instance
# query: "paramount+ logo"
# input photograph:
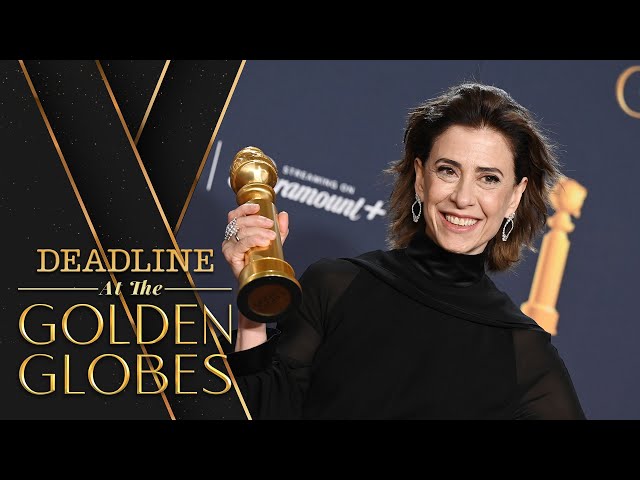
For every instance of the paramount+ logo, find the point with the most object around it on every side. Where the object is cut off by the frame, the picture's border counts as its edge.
(327, 194)
(628, 91)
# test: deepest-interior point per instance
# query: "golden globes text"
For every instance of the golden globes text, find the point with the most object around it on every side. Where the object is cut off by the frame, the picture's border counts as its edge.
(42, 324)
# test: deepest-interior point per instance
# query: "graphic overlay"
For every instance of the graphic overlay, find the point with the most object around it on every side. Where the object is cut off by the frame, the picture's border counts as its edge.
(153, 98)
(141, 271)
(208, 149)
(177, 248)
(93, 232)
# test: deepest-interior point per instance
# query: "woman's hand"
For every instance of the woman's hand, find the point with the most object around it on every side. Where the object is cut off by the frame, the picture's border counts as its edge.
(253, 231)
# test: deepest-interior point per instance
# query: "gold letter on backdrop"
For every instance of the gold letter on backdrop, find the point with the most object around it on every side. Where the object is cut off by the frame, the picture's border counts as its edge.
(567, 198)
(620, 84)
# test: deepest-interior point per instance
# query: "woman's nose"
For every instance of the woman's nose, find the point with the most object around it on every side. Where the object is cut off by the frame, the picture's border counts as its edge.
(463, 194)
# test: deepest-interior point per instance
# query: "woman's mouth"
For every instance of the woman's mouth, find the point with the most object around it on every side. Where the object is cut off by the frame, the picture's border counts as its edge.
(458, 224)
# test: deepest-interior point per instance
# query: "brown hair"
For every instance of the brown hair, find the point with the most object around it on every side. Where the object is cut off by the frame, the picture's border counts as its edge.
(478, 106)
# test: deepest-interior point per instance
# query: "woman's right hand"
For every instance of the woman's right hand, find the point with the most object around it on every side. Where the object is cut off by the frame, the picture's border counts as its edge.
(253, 231)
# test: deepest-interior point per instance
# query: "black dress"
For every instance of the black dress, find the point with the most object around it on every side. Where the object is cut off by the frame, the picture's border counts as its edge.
(415, 333)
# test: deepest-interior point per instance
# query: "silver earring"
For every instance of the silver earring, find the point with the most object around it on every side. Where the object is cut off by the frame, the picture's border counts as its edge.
(416, 216)
(505, 235)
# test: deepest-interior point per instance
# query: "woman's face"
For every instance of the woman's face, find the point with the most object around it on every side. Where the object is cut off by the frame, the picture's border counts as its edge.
(467, 188)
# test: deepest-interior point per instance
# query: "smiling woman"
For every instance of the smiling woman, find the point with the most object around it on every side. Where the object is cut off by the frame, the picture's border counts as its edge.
(420, 330)
(467, 199)
(474, 152)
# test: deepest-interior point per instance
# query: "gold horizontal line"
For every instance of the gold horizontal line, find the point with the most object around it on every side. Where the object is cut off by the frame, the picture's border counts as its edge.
(225, 289)
(57, 288)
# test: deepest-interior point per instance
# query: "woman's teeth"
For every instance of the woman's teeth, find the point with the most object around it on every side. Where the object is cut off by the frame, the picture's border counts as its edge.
(464, 222)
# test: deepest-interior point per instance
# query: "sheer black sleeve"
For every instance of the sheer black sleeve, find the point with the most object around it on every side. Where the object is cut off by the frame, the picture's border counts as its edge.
(546, 391)
(274, 376)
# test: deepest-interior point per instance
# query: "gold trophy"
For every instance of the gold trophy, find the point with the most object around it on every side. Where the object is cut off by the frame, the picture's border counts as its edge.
(268, 286)
(566, 198)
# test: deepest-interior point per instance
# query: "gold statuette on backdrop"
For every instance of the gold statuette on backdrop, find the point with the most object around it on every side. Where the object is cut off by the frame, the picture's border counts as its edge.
(267, 285)
(566, 198)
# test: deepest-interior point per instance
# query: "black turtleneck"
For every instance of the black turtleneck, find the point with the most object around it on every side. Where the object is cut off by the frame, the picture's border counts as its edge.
(443, 266)
(411, 333)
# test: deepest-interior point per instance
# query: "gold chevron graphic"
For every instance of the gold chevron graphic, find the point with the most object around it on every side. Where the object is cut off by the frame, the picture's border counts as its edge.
(211, 140)
(91, 227)
(208, 149)
(170, 232)
(151, 102)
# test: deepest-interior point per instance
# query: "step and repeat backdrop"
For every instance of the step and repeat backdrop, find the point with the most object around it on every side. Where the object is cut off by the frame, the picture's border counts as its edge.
(333, 126)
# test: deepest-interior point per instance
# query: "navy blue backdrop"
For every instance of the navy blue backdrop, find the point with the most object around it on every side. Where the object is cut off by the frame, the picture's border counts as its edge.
(335, 125)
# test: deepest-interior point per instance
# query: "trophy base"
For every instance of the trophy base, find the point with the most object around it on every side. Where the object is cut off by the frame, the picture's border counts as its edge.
(268, 299)
(268, 289)
(546, 316)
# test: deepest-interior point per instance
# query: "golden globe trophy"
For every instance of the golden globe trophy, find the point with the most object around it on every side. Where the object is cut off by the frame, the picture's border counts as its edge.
(567, 198)
(267, 285)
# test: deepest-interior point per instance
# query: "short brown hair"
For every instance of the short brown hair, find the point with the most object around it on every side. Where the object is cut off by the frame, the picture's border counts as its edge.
(478, 106)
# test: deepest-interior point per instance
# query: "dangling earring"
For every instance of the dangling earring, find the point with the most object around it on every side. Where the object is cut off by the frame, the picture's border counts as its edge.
(505, 235)
(416, 216)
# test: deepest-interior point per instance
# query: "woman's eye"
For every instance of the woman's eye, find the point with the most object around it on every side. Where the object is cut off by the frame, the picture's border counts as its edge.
(492, 179)
(446, 170)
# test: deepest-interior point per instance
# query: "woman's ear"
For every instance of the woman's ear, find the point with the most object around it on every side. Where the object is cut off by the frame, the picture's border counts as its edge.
(419, 184)
(517, 194)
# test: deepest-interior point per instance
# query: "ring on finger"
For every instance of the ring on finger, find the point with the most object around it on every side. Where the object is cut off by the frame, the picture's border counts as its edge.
(236, 235)
(231, 229)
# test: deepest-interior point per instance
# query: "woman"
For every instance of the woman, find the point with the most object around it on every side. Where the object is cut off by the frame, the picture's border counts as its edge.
(420, 331)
